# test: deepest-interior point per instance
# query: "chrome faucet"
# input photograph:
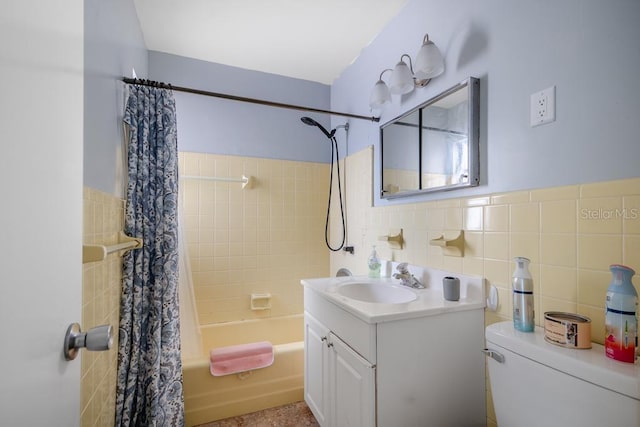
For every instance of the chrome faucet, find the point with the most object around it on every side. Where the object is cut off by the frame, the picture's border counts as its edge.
(406, 278)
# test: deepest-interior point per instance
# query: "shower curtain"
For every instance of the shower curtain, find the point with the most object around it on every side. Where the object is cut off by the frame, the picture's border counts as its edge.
(190, 336)
(149, 383)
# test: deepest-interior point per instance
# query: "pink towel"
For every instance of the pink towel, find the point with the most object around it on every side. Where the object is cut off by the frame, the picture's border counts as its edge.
(240, 358)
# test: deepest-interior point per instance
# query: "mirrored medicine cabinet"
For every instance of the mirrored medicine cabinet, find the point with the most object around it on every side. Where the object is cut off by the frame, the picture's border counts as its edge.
(435, 146)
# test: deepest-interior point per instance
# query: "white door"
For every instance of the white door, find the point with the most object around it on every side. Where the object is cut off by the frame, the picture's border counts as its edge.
(316, 368)
(41, 114)
(352, 386)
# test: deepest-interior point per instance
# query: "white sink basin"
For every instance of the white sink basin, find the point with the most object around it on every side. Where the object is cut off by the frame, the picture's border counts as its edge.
(377, 292)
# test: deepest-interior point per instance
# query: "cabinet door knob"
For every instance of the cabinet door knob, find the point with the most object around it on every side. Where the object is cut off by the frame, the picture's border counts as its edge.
(323, 339)
(329, 344)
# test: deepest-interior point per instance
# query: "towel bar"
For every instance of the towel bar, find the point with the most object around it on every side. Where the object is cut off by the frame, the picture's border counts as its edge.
(92, 253)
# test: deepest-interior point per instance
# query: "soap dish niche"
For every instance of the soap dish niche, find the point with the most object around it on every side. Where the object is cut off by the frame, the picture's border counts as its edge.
(260, 302)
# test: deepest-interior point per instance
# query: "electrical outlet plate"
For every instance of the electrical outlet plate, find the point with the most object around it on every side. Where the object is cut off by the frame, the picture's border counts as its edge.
(543, 106)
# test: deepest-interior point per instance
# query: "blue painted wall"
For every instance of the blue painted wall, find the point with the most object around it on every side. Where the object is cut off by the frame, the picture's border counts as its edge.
(213, 125)
(588, 49)
(113, 46)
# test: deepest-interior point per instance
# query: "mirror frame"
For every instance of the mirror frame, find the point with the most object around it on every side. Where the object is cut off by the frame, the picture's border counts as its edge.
(473, 134)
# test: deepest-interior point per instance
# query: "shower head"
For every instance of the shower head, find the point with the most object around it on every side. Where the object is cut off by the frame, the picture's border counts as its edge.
(310, 122)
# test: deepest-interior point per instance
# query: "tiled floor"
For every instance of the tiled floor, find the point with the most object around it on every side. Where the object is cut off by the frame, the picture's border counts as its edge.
(292, 415)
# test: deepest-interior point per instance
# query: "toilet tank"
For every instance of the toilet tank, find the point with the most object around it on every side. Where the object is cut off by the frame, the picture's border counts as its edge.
(540, 384)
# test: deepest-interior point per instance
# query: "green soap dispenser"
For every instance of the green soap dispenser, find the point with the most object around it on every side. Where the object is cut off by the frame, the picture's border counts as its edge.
(374, 264)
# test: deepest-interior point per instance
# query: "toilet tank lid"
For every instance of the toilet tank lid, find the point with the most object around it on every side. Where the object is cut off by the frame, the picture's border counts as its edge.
(589, 364)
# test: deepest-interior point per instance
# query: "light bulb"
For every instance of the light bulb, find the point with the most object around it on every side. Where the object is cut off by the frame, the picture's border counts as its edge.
(379, 95)
(401, 79)
(429, 62)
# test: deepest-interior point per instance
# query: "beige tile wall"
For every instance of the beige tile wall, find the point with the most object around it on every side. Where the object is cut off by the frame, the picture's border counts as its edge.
(267, 238)
(571, 234)
(258, 240)
(101, 284)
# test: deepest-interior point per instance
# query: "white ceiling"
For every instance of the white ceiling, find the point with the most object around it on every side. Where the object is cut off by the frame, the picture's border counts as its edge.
(306, 39)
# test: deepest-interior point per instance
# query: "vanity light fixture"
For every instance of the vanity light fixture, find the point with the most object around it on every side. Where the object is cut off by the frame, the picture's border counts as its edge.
(404, 79)
(380, 95)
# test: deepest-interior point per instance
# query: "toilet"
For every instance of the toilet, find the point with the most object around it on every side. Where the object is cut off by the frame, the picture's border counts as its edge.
(536, 383)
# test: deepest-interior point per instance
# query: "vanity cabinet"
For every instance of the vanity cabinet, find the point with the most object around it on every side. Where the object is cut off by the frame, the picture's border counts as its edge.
(416, 371)
(339, 383)
(316, 368)
(351, 386)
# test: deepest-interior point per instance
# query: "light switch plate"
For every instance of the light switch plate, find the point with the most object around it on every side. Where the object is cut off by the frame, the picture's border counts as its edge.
(543, 106)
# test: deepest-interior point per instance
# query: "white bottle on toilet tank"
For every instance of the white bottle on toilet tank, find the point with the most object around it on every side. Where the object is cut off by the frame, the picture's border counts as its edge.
(522, 283)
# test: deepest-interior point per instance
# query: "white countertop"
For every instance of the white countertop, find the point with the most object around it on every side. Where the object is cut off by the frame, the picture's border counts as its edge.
(430, 301)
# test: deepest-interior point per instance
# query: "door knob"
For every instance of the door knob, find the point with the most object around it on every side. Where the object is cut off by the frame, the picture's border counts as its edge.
(99, 338)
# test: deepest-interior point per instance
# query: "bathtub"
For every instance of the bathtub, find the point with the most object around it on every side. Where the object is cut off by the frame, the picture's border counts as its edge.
(208, 398)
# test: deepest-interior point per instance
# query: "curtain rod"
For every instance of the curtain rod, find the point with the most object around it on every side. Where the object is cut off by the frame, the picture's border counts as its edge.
(243, 99)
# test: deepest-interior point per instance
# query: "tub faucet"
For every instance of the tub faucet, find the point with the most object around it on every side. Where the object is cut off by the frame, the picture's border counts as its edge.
(406, 278)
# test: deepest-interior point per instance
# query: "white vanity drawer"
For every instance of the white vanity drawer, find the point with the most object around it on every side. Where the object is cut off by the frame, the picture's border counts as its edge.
(360, 335)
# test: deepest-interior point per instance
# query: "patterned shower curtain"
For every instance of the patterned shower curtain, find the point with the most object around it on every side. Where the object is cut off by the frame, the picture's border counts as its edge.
(149, 384)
